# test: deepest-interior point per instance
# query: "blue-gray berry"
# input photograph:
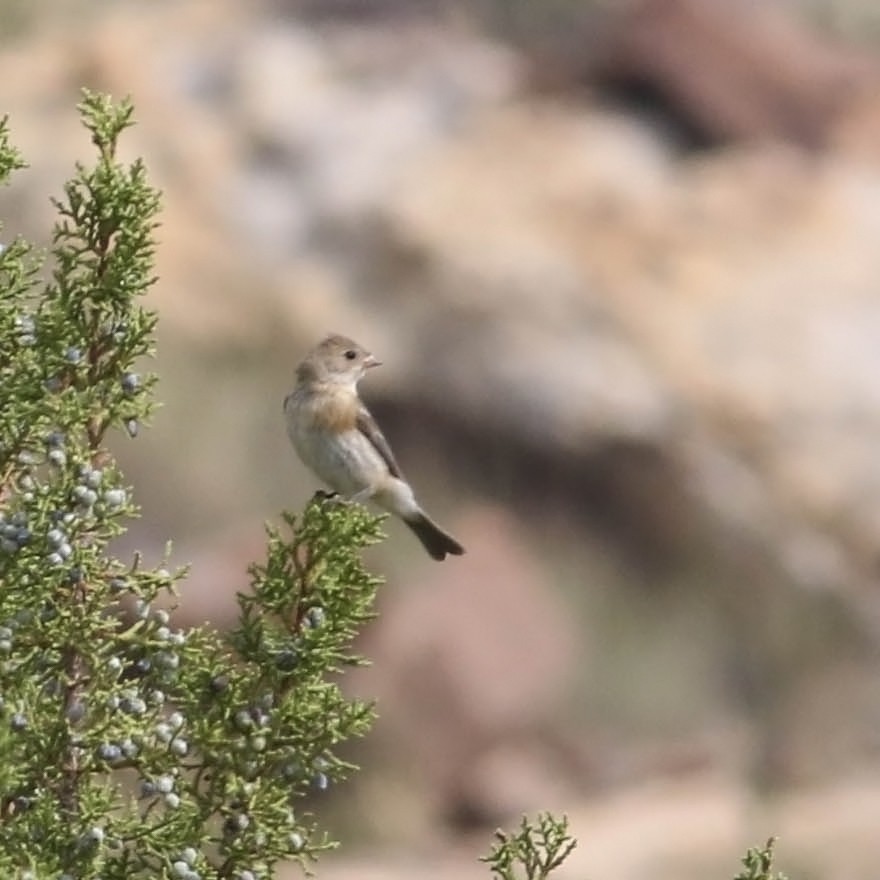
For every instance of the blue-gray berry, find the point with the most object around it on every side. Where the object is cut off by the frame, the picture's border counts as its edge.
(165, 784)
(238, 822)
(55, 537)
(114, 498)
(164, 732)
(286, 660)
(84, 496)
(190, 855)
(94, 835)
(109, 752)
(133, 706)
(76, 711)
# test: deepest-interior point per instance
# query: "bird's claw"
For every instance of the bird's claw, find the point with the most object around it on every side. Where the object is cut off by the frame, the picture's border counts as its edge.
(322, 495)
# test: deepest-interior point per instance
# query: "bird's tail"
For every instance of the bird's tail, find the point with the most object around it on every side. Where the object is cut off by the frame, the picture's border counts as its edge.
(437, 542)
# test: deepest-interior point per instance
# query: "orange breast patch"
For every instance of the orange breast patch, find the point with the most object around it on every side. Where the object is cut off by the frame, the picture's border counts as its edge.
(335, 411)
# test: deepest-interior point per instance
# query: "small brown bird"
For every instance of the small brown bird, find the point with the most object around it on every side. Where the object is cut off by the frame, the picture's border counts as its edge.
(337, 438)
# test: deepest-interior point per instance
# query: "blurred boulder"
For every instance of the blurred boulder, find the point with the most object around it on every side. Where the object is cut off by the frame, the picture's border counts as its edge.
(470, 670)
(721, 70)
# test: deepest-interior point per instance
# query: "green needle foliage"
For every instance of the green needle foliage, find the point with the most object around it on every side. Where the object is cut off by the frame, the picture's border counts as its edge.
(758, 864)
(535, 850)
(540, 846)
(128, 747)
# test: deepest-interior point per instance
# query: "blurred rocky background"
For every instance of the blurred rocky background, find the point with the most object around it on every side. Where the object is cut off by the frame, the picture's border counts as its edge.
(622, 262)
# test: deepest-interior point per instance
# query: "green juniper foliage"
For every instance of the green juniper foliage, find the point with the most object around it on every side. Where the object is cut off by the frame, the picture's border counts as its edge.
(540, 846)
(758, 864)
(128, 747)
(536, 849)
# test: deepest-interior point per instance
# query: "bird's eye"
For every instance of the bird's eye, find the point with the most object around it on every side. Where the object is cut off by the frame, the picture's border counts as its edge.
(351, 354)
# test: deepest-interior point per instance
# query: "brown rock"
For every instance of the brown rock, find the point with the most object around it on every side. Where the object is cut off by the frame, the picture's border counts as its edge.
(479, 656)
(736, 70)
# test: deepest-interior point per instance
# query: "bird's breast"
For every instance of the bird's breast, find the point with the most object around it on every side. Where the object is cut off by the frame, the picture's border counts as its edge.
(324, 433)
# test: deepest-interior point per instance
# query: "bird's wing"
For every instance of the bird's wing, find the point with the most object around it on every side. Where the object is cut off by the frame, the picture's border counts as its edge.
(366, 424)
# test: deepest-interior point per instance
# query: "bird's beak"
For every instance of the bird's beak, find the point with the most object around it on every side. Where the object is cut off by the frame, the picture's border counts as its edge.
(372, 361)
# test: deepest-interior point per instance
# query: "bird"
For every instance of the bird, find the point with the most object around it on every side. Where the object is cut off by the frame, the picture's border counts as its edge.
(338, 439)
